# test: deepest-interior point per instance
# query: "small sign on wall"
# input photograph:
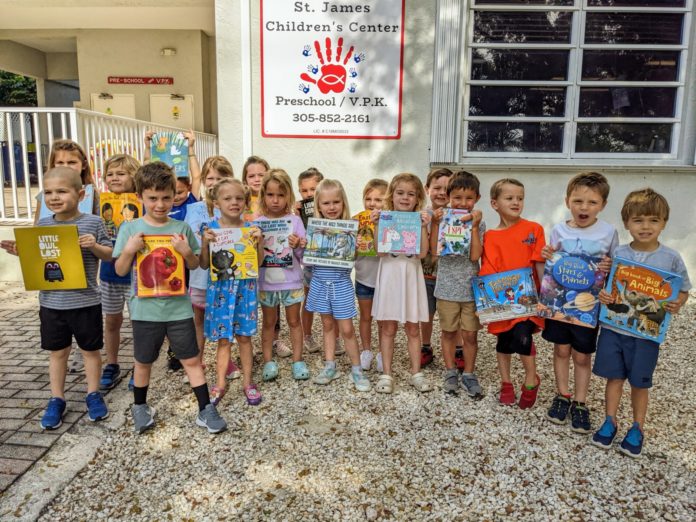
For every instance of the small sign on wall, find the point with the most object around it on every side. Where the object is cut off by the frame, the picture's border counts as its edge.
(331, 70)
(141, 80)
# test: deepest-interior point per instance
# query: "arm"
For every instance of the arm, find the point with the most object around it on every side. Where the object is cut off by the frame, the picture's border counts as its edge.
(124, 262)
(194, 167)
(10, 246)
(425, 239)
(539, 267)
(180, 244)
(476, 248)
(435, 231)
(148, 145)
(673, 307)
(204, 257)
(89, 242)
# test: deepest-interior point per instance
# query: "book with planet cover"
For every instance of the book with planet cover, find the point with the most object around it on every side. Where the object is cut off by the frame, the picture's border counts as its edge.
(503, 296)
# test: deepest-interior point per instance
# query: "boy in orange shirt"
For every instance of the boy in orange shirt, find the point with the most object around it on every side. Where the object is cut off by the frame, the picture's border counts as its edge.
(516, 243)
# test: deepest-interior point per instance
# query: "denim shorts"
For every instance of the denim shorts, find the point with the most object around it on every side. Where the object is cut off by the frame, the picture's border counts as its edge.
(622, 356)
(364, 292)
(274, 298)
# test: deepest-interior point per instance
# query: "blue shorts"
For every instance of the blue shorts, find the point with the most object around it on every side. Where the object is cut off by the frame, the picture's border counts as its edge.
(626, 357)
(364, 292)
(430, 292)
(335, 298)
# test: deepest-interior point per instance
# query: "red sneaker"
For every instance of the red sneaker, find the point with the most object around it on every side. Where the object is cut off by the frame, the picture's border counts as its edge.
(426, 356)
(459, 360)
(528, 397)
(507, 394)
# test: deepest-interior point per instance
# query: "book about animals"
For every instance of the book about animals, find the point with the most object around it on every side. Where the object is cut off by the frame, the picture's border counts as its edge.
(570, 287)
(454, 234)
(172, 149)
(503, 296)
(116, 209)
(276, 247)
(233, 255)
(50, 258)
(640, 292)
(331, 242)
(159, 269)
(366, 245)
(306, 210)
(86, 204)
(399, 232)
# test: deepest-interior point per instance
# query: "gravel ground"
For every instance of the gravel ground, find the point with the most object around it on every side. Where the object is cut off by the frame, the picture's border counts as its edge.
(329, 453)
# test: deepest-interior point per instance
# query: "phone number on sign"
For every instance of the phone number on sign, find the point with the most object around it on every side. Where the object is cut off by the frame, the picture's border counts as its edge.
(331, 118)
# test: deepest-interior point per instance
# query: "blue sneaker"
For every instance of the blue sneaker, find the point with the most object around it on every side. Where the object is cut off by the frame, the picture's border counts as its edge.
(131, 384)
(110, 376)
(604, 436)
(632, 444)
(53, 416)
(96, 407)
(558, 412)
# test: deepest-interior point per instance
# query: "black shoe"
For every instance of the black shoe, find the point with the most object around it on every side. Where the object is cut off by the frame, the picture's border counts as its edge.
(558, 412)
(580, 418)
(173, 363)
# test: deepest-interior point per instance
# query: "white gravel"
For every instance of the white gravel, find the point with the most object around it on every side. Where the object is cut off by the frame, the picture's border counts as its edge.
(329, 453)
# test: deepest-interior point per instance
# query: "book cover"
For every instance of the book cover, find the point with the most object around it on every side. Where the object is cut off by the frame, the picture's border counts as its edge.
(172, 149)
(50, 258)
(507, 295)
(159, 269)
(86, 204)
(641, 292)
(454, 234)
(331, 242)
(276, 249)
(399, 232)
(233, 255)
(116, 209)
(570, 287)
(306, 210)
(366, 245)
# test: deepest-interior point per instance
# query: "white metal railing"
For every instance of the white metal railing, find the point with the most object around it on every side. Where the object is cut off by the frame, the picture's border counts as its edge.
(26, 135)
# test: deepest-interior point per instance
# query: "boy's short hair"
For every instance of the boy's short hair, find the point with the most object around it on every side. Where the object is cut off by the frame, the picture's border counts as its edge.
(155, 176)
(591, 180)
(128, 162)
(463, 180)
(373, 184)
(73, 178)
(310, 173)
(644, 202)
(497, 187)
(436, 174)
(185, 180)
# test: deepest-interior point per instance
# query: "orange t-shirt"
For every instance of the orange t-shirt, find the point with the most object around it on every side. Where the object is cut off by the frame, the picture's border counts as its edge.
(518, 246)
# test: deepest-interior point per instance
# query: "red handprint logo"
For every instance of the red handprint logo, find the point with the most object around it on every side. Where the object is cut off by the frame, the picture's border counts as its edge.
(333, 75)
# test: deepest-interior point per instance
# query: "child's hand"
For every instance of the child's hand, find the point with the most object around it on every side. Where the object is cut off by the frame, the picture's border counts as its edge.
(298, 207)
(293, 240)
(10, 246)
(476, 216)
(605, 264)
(605, 297)
(87, 241)
(191, 137)
(303, 242)
(209, 236)
(148, 138)
(437, 216)
(374, 216)
(256, 234)
(673, 307)
(547, 252)
(425, 218)
(134, 244)
(180, 244)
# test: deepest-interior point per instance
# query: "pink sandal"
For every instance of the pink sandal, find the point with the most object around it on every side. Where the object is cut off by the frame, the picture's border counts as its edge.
(216, 395)
(253, 396)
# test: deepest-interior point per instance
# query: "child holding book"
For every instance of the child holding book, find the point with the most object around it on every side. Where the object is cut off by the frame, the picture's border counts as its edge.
(620, 355)
(586, 197)
(154, 318)
(65, 314)
(514, 244)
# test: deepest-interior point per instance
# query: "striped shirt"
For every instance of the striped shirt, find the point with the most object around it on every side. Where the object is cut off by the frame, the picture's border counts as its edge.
(72, 299)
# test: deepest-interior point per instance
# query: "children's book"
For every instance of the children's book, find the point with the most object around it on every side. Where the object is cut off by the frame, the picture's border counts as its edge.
(640, 292)
(233, 255)
(86, 205)
(306, 210)
(172, 149)
(399, 232)
(570, 287)
(331, 242)
(51, 257)
(276, 248)
(116, 209)
(159, 269)
(507, 295)
(366, 245)
(454, 234)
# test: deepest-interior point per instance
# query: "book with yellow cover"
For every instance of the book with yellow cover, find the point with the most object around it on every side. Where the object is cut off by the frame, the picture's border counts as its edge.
(159, 269)
(51, 258)
(116, 209)
(233, 255)
(366, 245)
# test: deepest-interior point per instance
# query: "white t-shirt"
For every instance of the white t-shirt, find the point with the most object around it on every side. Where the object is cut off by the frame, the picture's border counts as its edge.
(596, 240)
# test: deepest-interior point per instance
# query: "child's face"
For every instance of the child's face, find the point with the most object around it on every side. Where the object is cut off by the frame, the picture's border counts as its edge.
(464, 199)
(230, 201)
(510, 202)
(405, 197)
(585, 204)
(66, 158)
(331, 204)
(308, 186)
(437, 192)
(182, 192)
(118, 180)
(275, 199)
(211, 178)
(61, 197)
(254, 176)
(157, 204)
(108, 214)
(374, 199)
(645, 231)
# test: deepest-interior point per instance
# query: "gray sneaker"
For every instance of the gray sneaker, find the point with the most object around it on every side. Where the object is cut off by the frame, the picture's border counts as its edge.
(471, 385)
(451, 382)
(210, 418)
(143, 417)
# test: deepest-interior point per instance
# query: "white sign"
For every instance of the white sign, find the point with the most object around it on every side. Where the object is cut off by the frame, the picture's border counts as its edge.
(331, 69)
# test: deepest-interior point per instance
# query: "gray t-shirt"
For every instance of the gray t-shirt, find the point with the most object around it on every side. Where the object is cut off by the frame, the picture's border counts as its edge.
(72, 299)
(454, 274)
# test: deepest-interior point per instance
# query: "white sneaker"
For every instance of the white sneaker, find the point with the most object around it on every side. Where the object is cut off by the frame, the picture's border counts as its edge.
(77, 363)
(380, 367)
(366, 357)
(340, 350)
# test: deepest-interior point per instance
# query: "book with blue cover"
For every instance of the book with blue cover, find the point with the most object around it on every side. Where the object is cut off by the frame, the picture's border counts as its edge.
(507, 295)
(172, 149)
(399, 232)
(454, 233)
(331, 242)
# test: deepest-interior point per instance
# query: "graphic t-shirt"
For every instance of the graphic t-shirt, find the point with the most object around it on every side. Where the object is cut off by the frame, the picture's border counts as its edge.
(596, 240)
(455, 274)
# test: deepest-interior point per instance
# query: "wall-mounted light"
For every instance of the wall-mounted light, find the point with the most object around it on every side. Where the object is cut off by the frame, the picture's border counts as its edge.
(105, 96)
(168, 51)
(176, 97)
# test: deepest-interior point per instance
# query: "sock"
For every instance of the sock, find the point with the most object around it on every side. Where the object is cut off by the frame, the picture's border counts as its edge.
(357, 370)
(528, 387)
(426, 346)
(468, 374)
(139, 395)
(330, 365)
(202, 396)
(580, 404)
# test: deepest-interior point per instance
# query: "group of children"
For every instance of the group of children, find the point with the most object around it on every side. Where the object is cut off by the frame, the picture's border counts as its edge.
(390, 289)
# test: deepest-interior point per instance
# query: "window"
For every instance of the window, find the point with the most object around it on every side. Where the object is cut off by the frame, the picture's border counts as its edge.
(575, 78)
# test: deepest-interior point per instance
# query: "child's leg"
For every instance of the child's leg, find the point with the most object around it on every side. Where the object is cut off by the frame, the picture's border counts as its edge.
(529, 365)
(470, 344)
(426, 330)
(92, 369)
(292, 316)
(268, 331)
(561, 369)
(612, 396)
(57, 369)
(347, 331)
(246, 357)
(307, 316)
(141, 374)
(414, 346)
(194, 370)
(112, 336)
(504, 361)
(198, 321)
(386, 344)
(639, 402)
(365, 306)
(582, 370)
(222, 361)
(329, 335)
(448, 342)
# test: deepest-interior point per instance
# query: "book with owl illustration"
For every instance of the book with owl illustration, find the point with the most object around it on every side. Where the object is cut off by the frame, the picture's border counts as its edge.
(454, 233)
(399, 232)
(116, 209)
(172, 149)
(51, 258)
(331, 242)
(506, 295)
(86, 204)
(233, 255)
(158, 268)
(366, 244)
(276, 248)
